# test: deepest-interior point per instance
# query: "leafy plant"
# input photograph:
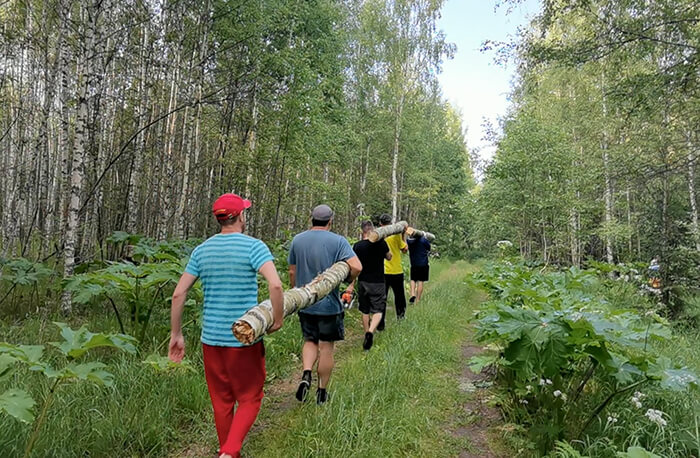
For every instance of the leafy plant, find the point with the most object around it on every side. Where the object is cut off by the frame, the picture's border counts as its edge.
(142, 284)
(75, 344)
(551, 336)
(21, 273)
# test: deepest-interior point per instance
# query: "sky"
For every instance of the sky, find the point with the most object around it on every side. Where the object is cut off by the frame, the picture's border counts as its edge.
(472, 82)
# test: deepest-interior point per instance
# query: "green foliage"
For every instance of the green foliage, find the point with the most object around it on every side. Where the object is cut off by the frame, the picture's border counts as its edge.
(164, 364)
(22, 280)
(637, 452)
(141, 285)
(556, 338)
(18, 403)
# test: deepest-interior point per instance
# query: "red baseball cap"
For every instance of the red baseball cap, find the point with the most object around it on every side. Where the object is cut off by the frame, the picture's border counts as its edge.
(229, 205)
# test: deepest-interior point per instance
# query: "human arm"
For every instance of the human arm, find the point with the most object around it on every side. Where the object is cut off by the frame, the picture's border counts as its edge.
(387, 251)
(176, 349)
(355, 268)
(292, 275)
(269, 272)
(403, 246)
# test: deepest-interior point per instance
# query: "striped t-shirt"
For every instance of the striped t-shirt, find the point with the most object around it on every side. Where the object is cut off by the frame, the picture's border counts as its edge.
(227, 265)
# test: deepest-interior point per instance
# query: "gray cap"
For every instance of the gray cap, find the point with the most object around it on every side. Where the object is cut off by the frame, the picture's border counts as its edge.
(322, 213)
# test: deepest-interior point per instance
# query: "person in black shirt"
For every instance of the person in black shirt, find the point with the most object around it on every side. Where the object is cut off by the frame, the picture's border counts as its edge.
(418, 249)
(370, 284)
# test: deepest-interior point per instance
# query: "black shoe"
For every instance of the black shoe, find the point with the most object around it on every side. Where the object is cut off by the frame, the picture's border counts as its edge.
(400, 317)
(369, 339)
(321, 396)
(412, 299)
(380, 327)
(303, 389)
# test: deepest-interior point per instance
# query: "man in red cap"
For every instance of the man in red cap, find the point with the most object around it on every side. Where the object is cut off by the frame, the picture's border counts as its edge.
(227, 265)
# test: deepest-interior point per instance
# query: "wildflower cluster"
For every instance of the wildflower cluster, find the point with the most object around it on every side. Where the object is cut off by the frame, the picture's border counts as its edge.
(637, 399)
(656, 416)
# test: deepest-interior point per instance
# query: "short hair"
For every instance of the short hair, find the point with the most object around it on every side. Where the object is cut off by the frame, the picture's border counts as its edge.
(319, 223)
(385, 219)
(366, 226)
(229, 221)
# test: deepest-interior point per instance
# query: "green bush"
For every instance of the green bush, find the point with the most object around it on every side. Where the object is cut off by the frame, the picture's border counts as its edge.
(564, 356)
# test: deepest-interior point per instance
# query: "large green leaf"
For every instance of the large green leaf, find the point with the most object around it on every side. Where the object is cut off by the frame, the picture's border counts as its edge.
(164, 364)
(92, 371)
(637, 452)
(18, 404)
(77, 343)
(7, 362)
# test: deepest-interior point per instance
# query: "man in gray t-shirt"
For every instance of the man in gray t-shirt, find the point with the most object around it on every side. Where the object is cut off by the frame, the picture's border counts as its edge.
(310, 253)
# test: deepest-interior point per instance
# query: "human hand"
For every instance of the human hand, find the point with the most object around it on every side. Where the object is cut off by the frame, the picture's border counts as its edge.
(276, 326)
(176, 349)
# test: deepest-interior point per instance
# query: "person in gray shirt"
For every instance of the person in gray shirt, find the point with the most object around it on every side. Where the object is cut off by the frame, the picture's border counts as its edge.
(310, 253)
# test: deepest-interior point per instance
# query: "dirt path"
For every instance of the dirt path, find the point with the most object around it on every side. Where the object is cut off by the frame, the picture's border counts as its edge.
(480, 416)
(474, 428)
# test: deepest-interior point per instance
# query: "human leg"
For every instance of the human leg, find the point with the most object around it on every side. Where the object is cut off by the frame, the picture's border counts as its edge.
(220, 389)
(376, 319)
(399, 295)
(247, 373)
(326, 361)
(419, 290)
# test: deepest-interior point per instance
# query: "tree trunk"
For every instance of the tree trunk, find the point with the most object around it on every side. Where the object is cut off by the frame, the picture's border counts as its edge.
(382, 232)
(395, 161)
(608, 193)
(256, 321)
(692, 157)
(76, 182)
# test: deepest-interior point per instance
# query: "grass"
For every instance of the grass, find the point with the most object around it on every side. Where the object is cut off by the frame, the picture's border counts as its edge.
(392, 401)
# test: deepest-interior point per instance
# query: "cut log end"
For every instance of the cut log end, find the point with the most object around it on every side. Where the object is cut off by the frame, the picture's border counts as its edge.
(243, 332)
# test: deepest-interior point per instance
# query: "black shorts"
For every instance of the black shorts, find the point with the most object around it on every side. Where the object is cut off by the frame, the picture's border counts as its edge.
(326, 328)
(372, 297)
(420, 273)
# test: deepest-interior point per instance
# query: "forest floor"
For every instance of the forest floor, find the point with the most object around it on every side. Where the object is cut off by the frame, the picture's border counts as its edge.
(412, 394)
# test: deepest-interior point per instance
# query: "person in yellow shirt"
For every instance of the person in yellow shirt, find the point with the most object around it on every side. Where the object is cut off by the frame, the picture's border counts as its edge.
(393, 271)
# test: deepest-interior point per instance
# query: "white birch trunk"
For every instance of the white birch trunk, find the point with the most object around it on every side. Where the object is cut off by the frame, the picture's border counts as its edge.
(695, 228)
(256, 321)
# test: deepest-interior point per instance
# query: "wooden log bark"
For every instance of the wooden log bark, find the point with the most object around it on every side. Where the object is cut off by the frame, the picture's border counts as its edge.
(382, 232)
(413, 232)
(256, 321)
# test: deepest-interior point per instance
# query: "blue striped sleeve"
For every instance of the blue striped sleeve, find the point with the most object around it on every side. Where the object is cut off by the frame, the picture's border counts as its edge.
(193, 264)
(259, 255)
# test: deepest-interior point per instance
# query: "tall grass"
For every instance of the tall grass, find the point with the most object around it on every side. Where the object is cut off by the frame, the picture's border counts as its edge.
(394, 400)
(391, 401)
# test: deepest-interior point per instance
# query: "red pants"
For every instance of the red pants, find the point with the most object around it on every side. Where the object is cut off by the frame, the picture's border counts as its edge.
(234, 375)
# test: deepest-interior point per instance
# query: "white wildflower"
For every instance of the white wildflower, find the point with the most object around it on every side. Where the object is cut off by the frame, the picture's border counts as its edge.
(656, 416)
(503, 244)
(529, 388)
(524, 401)
(557, 393)
(542, 382)
(548, 382)
(612, 418)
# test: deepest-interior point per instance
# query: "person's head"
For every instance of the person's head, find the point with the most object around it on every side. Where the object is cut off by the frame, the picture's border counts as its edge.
(228, 210)
(321, 216)
(367, 227)
(385, 219)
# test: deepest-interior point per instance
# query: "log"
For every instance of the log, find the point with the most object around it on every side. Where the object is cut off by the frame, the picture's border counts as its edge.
(382, 232)
(256, 321)
(413, 232)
